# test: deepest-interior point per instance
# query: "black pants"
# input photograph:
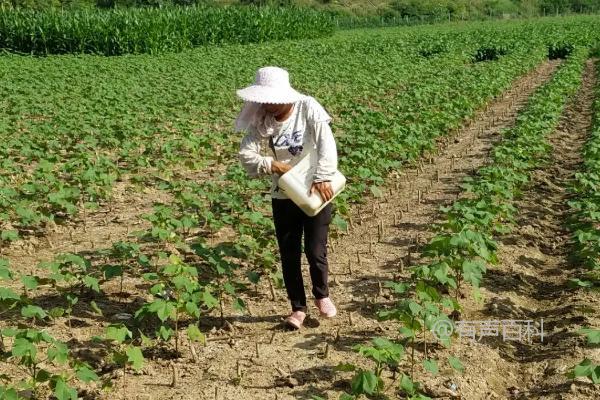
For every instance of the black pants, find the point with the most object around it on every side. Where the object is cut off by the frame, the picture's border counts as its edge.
(290, 223)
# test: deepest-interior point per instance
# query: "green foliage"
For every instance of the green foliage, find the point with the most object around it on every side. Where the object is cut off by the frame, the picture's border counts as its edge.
(177, 294)
(587, 369)
(123, 352)
(153, 30)
(47, 363)
(584, 221)
(384, 353)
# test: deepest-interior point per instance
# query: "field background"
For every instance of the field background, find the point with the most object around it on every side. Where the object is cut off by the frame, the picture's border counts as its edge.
(131, 235)
(414, 10)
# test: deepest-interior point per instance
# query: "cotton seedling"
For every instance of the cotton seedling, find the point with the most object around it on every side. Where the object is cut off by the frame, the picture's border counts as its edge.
(46, 362)
(128, 255)
(70, 275)
(123, 353)
(176, 295)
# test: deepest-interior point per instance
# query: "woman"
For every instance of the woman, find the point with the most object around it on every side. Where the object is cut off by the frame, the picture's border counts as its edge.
(286, 124)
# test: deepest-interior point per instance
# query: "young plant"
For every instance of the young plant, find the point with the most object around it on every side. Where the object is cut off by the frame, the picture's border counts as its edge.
(385, 354)
(222, 279)
(122, 352)
(177, 295)
(39, 355)
(127, 255)
(70, 276)
(587, 368)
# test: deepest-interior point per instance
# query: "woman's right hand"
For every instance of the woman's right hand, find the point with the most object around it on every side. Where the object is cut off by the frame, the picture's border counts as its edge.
(280, 168)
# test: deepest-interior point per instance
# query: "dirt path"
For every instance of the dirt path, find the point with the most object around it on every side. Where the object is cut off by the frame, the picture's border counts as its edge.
(258, 359)
(531, 281)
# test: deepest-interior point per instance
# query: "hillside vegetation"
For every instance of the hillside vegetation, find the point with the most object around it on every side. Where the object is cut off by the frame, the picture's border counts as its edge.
(415, 9)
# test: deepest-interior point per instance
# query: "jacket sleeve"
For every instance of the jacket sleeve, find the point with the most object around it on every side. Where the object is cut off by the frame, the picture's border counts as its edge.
(253, 162)
(326, 151)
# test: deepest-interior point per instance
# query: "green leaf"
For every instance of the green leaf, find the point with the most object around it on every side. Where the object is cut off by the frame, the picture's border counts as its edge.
(585, 368)
(5, 272)
(239, 305)
(8, 294)
(96, 309)
(118, 333)
(9, 235)
(163, 309)
(30, 282)
(208, 299)
(576, 282)
(195, 334)
(406, 331)
(111, 271)
(32, 311)
(593, 335)
(431, 366)
(253, 277)
(58, 353)
(165, 332)
(92, 283)
(23, 348)
(365, 382)
(56, 312)
(472, 271)
(85, 374)
(398, 288)
(9, 394)
(72, 299)
(135, 357)
(456, 364)
(340, 223)
(192, 309)
(407, 385)
(41, 376)
(62, 391)
(415, 308)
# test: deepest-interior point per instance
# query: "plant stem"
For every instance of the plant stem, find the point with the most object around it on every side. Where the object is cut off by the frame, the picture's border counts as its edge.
(177, 331)
(425, 340)
(121, 288)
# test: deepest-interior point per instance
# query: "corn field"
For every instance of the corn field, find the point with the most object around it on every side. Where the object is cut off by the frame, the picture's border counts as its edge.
(134, 31)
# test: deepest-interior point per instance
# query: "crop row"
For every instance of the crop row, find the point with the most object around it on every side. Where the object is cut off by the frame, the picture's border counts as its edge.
(584, 223)
(464, 245)
(144, 116)
(153, 30)
(585, 207)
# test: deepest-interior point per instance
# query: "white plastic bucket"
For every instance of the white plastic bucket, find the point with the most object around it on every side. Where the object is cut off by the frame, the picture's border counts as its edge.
(296, 184)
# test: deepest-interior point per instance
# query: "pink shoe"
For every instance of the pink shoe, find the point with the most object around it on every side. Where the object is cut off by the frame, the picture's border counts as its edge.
(295, 319)
(326, 307)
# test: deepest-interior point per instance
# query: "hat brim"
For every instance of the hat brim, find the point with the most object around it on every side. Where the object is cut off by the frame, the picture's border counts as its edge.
(264, 94)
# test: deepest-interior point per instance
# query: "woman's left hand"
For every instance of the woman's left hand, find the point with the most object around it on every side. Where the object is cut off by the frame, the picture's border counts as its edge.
(324, 189)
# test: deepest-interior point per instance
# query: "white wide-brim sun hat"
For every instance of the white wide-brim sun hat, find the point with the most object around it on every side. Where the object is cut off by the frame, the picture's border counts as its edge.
(272, 86)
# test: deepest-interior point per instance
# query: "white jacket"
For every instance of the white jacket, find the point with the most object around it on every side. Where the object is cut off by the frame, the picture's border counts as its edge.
(307, 127)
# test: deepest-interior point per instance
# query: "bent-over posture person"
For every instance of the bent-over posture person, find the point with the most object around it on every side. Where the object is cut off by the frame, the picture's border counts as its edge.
(285, 124)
